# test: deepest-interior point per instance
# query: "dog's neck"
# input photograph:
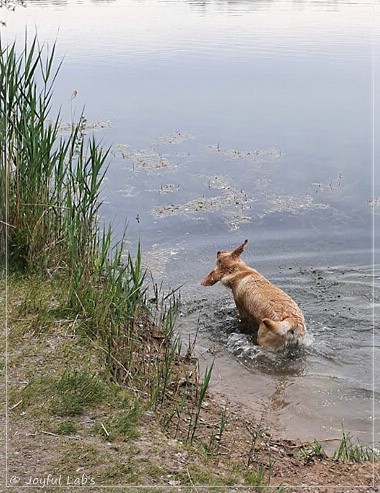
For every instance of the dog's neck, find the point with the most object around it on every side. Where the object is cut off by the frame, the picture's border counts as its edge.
(236, 273)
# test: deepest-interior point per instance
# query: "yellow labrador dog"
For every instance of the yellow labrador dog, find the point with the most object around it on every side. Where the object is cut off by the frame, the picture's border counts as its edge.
(261, 304)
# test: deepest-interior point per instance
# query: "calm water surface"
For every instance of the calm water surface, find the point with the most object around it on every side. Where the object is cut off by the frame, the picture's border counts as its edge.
(242, 119)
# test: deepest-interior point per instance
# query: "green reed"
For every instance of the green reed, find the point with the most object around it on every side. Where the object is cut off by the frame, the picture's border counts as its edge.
(201, 394)
(50, 185)
(351, 450)
(215, 438)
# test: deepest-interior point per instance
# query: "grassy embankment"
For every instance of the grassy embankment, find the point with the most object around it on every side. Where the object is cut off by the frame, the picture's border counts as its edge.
(99, 385)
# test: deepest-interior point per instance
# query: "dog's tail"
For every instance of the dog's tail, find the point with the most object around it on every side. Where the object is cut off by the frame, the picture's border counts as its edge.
(289, 327)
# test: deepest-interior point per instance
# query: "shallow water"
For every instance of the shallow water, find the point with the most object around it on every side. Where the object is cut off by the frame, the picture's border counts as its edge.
(242, 119)
(314, 390)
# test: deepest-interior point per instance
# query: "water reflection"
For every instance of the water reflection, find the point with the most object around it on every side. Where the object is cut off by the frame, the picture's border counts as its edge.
(225, 5)
(256, 5)
(249, 4)
(50, 3)
(64, 3)
(279, 400)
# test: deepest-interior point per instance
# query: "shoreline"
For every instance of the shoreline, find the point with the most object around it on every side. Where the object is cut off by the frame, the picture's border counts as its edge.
(246, 453)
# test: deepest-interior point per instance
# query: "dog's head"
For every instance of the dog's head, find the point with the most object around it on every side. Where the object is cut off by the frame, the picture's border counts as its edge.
(225, 263)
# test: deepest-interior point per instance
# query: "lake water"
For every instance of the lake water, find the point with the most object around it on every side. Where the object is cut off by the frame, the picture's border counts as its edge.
(242, 119)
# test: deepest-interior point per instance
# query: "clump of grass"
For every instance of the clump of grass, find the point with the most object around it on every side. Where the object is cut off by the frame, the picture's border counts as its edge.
(256, 478)
(40, 305)
(312, 451)
(351, 450)
(67, 427)
(89, 457)
(74, 391)
(36, 393)
(122, 425)
(125, 425)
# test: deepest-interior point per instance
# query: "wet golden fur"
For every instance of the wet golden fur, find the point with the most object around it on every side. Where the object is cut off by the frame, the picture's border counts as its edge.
(261, 304)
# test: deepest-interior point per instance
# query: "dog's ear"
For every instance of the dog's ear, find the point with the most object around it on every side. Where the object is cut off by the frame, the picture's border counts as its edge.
(239, 250)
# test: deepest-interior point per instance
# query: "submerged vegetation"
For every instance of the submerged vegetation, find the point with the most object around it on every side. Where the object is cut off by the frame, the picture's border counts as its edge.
(96, 332)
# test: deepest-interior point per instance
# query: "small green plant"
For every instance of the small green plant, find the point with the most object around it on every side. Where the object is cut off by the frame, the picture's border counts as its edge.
(215, 438)
(37, 391)
(282, 488)
(351, 450)
(200, 398)
(256, 434)
(164, 365)
(255, 477)
(312, 451)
